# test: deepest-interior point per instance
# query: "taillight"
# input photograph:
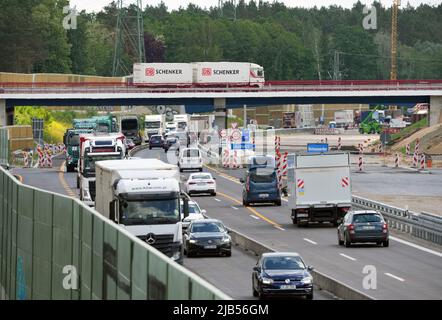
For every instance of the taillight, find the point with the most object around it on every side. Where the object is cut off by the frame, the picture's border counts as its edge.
(210, 182)
(248, 184)
(385, 228)
(351, 228)
(192, 182)
(344, 209)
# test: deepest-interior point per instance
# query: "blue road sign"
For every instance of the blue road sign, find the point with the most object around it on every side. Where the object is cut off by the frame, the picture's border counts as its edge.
(241, 146)
(245, 135)
(317, 147)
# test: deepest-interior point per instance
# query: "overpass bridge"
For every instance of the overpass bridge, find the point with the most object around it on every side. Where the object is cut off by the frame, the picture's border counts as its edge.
(204, 99)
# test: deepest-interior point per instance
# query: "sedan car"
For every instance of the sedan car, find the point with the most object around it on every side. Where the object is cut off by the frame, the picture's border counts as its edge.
(195, 213)
(171, 143)
(282, 274)
(208, 236)
(156, 141)
(201, 183)
(363, 226)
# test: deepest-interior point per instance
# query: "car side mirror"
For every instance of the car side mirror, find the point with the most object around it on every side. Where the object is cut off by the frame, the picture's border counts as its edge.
(203, 212)
(241, 180)
(257, 269)
(310, 268)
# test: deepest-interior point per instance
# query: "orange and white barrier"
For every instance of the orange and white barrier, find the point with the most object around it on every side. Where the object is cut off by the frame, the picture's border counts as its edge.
(422, 162)
(339, 143)
(360, 164)
(396, 161)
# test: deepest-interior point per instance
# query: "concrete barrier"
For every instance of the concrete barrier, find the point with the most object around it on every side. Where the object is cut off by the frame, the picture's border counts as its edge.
(320, 280)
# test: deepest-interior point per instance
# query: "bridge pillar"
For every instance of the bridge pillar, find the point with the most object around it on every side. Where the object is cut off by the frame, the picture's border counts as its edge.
(2, 113)
(220, 113)
(435, 111)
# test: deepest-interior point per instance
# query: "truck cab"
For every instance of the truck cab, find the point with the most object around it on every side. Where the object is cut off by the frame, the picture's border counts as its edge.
(153, 125)
(129, 127)
(144, 197)
(96, 147)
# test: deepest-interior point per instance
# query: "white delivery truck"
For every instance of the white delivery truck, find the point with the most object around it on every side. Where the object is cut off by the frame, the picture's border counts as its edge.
(153, 125)
(162, 74)
(228, 73)
(144, 196)
(93, 148)
(319, 187)
(343, 118)
(182, 121)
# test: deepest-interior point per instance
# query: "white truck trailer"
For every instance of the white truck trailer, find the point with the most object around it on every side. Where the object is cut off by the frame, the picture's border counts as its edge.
(144, 196)
(319, 187)
(153, 125)
(162, 74)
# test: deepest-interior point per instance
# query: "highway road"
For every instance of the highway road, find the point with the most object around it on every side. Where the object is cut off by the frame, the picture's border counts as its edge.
(404, 270)
(232, 275)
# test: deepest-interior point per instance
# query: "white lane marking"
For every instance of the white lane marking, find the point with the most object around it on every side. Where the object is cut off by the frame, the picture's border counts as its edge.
(277, 227)
(216, 199)
(348, 257)
(394, 277)
(416, 246)
(254, 217)
(311, 241)
(233, 207)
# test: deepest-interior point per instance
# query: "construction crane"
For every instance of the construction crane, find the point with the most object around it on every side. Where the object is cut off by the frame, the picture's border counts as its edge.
(394, 15)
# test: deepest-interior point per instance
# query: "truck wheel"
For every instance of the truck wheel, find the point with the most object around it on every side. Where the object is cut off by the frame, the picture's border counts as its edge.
(294, 221)
(78, 183)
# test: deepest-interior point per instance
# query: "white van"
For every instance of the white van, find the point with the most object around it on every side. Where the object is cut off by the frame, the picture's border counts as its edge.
(190, 159)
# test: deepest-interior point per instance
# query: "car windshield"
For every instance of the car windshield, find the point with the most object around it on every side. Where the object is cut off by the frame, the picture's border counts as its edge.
(262, 176)
(129, 125)
(206, 227)
(191, 153)
(155, 138)
(364, 218)
(283, 263)
(202, 177)
(150, 212)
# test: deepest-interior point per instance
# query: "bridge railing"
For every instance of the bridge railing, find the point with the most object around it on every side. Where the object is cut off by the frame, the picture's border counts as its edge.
(421, 225)
(54, 247)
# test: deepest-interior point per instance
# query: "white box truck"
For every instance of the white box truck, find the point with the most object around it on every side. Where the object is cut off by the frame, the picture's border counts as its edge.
(154, 125)
(319, 187)
(182, 121)
(162, 74)
(343, 118)
(143, 196)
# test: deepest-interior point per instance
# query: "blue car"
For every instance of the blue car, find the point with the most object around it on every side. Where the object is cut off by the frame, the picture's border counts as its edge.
(261, 186)
(282, 274)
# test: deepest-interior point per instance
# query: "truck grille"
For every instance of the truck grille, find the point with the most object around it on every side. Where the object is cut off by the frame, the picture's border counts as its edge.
(163, 243)
(92, 189)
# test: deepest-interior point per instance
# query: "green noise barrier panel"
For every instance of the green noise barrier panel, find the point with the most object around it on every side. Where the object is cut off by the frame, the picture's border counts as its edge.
(53, 247)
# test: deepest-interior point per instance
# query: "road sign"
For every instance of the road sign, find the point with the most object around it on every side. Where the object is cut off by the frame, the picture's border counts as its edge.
(37, 129)
(241, 146)
(245, 135)
(236, 135)
(317, 147)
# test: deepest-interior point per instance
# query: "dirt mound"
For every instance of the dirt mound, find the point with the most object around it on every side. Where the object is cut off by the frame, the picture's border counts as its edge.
(430, 140)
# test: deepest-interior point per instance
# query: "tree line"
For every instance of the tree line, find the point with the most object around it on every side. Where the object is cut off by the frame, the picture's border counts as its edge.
(291, 43)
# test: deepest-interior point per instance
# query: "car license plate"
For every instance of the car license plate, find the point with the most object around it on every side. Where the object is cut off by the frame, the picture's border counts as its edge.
(210, 247)
(201, 183)
(264, 195)
(288, 287)
(368, 227)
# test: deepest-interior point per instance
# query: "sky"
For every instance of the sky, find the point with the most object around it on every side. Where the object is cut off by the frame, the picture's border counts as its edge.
(97, 5)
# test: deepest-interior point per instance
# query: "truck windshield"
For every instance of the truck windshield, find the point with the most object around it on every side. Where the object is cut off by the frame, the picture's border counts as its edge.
(73, 140)
(152, 125)
(89, 163)
(103, 127)
(129, 125)
(150, 212)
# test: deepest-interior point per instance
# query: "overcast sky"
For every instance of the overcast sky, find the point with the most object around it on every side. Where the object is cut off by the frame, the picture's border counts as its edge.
(97, 5)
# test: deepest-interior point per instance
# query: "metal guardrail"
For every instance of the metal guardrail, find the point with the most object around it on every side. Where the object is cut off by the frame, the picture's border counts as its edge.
(423, 225)
(48, 242)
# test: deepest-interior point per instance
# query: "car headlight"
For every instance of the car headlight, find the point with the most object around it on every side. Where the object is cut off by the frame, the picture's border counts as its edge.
(225, 240)
(267, 281)
(192, 241)
(307, 280)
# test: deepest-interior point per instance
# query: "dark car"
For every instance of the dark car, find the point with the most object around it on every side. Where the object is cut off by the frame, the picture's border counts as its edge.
(171, 143)
(363, 226)
(156, 141)
(282, 274)
(207, 236)
(260, 185)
